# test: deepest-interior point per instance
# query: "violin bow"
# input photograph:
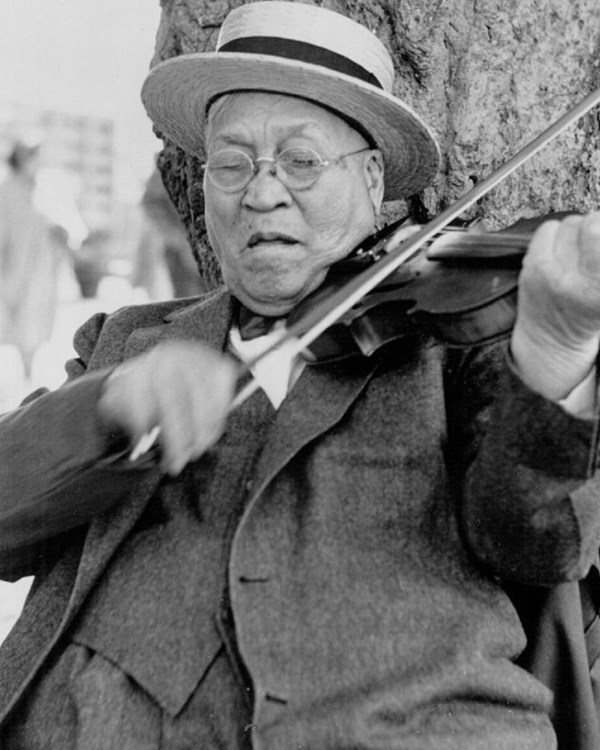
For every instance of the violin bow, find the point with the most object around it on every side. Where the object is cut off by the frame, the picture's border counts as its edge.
(396, 252)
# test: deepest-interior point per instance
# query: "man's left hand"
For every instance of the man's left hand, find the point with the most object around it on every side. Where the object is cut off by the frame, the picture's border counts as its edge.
(556, 335)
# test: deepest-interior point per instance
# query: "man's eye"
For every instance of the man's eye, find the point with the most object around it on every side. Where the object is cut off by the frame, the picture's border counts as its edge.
(300, 160)
(231, 167)
(303, 163)
(229, 163)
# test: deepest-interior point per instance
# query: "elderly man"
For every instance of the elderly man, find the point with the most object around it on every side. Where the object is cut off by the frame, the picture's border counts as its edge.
(319, 566)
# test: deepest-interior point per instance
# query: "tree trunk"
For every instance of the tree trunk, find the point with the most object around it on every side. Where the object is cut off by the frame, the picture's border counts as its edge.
(487, 75)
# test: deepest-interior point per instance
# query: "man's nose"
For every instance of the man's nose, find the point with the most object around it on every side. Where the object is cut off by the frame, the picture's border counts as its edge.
(270, 166)
(265, 190)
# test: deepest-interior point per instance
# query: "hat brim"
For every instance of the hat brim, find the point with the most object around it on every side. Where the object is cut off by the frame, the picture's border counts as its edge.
(177, 91)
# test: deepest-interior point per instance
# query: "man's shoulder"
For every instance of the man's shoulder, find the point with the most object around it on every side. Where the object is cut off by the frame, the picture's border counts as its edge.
(153, 313)
(128, 318)
(104, 335)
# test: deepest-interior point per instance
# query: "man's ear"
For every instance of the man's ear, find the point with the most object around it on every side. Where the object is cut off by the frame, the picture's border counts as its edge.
(374, 174)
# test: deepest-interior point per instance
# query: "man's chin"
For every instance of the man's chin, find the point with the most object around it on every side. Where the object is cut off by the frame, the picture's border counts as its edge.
(275, 299)
(277, 304)
(274, 309)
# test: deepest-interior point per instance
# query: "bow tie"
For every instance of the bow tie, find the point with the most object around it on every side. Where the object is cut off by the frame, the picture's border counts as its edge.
(252, 324)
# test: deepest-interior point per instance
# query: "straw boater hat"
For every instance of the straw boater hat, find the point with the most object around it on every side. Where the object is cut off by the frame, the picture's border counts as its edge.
(301, 50)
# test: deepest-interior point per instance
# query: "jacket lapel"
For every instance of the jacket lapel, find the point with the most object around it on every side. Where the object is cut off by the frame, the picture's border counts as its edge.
(317, 402)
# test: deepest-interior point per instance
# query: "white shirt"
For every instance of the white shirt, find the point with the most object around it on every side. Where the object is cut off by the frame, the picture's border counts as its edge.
(277, 372)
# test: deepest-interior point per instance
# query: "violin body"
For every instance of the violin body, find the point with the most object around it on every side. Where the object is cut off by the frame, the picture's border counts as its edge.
(462, 290)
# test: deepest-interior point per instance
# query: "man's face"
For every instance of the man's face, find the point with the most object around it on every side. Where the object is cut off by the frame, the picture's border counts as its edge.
(276, 244)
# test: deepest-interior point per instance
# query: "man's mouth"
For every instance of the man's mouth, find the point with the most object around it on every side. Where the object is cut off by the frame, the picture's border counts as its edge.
(271, 237)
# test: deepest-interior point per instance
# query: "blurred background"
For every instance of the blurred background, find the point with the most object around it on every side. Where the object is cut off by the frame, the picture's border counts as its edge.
(82, 212)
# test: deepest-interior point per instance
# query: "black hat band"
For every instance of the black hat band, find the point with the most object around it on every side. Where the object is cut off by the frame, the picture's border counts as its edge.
(301, 51)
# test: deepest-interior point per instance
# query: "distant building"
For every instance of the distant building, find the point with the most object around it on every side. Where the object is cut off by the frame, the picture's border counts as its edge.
(82, 147)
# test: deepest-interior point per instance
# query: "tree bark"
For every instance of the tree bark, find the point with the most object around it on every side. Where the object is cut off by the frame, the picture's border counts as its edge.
(487, 75)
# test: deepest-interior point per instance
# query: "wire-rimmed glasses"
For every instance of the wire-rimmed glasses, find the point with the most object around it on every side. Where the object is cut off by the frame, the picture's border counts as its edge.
(231, 170)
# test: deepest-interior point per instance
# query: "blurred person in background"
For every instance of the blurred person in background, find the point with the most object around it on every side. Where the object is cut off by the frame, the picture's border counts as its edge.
(32, 247)
(91, 262)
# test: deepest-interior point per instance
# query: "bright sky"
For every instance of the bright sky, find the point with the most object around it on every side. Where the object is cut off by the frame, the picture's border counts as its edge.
(86, 57)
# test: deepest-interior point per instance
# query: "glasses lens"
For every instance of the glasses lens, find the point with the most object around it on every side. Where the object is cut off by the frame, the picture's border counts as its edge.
(300, 166)
(229, 170)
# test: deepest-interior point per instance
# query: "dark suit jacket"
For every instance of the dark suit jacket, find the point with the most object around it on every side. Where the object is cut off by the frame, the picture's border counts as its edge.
(374, 618)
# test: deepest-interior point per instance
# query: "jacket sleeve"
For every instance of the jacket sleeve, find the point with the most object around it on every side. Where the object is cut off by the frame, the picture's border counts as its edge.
(531, 502)
(59, 466)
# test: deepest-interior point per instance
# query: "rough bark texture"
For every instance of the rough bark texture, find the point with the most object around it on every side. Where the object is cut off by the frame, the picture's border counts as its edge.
(487, 75)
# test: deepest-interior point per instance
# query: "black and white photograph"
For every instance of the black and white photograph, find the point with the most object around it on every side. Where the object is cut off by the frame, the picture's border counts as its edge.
(299, 398)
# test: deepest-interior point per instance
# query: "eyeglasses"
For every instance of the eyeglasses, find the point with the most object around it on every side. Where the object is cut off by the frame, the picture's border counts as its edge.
(296, 168)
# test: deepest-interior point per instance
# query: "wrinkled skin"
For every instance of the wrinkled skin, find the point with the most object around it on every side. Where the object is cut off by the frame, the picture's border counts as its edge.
(274, 244)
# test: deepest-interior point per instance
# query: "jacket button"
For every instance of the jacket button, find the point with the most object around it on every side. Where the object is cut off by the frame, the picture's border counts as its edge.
(275, 699)
(253, 579)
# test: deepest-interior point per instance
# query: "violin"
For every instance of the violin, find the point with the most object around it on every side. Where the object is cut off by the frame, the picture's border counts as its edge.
(462, 290)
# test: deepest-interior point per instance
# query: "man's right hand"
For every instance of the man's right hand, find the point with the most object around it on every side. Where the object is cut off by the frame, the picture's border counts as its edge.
(182, 388)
